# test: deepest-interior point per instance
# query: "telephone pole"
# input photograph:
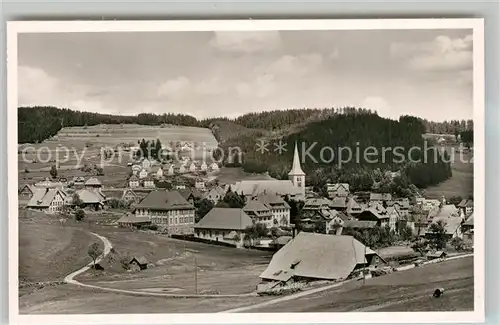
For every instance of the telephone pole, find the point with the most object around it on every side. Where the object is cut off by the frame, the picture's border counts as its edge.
(195, 276)
(364, 269)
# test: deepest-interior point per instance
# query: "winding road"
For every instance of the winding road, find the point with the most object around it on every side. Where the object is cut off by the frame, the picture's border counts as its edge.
(70, 279)
(107, 248)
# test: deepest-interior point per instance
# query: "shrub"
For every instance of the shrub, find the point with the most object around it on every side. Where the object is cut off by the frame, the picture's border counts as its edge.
(153, 227)
(125, 261)
(79, 215)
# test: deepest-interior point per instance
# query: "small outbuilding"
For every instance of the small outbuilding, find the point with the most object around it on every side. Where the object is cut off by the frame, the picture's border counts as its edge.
(139, 263)
(436, 255)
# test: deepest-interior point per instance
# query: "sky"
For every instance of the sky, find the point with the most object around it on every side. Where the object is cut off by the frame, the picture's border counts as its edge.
(425, 73)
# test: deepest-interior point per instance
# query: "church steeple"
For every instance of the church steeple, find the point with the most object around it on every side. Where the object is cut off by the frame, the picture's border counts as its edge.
(296, 169)
(297, 175)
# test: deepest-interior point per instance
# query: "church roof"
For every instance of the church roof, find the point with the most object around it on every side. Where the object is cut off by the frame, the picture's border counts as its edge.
(296, 169)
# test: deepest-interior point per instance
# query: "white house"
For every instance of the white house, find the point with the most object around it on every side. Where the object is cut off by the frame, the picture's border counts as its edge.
(203, 166)
(279, 208)
(133, 181)
(215, 194)
(146, 164)
(159, 172)
(199, 184)
(192, 167)
(337, 189)
(136, 169)
(49, 200)
(394, 217)
(214, 167)
(170, 169)
(143, 173)
(149, 183)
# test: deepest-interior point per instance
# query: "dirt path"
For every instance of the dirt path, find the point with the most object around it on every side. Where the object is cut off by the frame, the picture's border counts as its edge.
(70, 279)
(107, 248)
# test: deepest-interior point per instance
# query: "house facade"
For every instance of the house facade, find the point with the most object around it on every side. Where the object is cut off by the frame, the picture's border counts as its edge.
(149, 183)
(259, 213)
(337, 189)
(279, 208)
(224, 225)
(133, 182)
(169, 210)
(143, 173)
(48, 200)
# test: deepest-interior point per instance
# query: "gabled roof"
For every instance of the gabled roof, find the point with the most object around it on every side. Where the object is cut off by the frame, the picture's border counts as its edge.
(256, 206)
(133, 178)
(31, 188)
(317, 203)
(470, 220)
(90, 197)
(336, 186)
(163, 200)
(391, 210)
(42, 198)
(339, 202)
(353, 206)
(140, 259)
(93, 181)
(255, 187)
(374, 212)
(317, 256)
(186, 193)
(225, 218)
(465, 203)
(272, 200)
(450, 216)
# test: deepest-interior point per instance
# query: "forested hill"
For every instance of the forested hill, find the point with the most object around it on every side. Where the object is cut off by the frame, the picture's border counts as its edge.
(350, 131)
(36, 124)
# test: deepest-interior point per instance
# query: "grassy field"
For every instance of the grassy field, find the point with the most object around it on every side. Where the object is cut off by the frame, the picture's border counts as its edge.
(461, 182)
(84, 145)
(220, 269)
(49, 251)
(409, 290)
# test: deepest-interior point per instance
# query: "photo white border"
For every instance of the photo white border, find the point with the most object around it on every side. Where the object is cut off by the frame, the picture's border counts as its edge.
(476, 24)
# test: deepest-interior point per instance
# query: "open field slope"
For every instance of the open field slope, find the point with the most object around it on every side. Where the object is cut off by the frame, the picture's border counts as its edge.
(113, 134)
(409, 290)
(48, 252)
(461, 183)
(220, 270)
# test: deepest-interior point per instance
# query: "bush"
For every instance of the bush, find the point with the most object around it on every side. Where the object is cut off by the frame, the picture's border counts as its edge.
(26, 170)
(125, 261)
(79, 215)
(153, 227)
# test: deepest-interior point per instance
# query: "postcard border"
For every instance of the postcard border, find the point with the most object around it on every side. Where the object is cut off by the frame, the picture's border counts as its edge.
(476, 24)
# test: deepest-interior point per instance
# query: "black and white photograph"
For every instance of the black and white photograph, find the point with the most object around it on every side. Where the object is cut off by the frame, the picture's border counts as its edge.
(305, 170)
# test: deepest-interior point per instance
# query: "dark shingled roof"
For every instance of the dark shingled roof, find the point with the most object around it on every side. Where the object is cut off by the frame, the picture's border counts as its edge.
(225, 218)
(163, 200)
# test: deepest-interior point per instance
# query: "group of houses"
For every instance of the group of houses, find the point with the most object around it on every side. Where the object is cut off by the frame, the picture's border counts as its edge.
(145, 172)
(51, 196)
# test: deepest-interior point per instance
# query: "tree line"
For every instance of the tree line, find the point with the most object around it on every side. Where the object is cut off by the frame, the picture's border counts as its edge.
(359, 132)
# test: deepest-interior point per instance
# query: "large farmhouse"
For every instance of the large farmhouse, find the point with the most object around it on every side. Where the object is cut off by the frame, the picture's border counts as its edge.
(169, 210)
(318, 256)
